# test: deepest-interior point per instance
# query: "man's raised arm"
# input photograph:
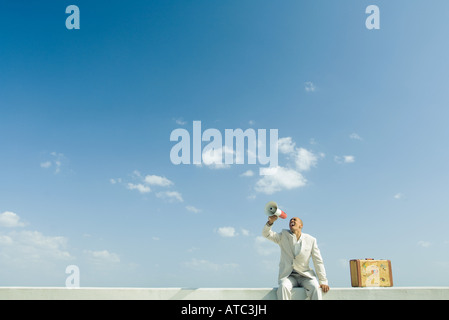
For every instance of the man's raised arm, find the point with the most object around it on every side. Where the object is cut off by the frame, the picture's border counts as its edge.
(268, 233)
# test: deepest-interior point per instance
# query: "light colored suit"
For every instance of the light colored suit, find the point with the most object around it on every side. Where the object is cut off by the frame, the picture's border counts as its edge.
(300, 263)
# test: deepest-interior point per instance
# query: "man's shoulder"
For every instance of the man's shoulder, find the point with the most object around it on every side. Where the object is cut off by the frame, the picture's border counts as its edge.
(308, 237)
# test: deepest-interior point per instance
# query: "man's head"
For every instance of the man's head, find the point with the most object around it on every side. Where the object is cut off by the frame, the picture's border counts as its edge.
(295, 224)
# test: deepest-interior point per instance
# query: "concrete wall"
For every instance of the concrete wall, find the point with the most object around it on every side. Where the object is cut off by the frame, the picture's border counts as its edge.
(50, 293)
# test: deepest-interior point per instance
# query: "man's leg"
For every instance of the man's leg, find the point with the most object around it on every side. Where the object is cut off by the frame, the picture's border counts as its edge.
(285, 288)
(312, 288)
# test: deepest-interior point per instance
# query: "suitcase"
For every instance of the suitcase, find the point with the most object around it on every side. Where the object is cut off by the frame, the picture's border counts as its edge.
(371, 273)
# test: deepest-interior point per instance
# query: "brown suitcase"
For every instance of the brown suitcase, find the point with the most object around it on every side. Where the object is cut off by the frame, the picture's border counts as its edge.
(371, 273)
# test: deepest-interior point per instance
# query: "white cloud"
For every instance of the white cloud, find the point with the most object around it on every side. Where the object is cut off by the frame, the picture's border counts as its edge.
(170, 196)
(55, 161)
(38, 240)
(22, 249)
(305, 159)
(344, 159)
(251, 197)
(5, 240)
(398, 195)
(139, 187)
(142, 184)
(349, 159)
(26, 247)
(180, 121)
(46, 164)
(286, 145)
(102, 257)
(309, 86)
(30, 256)
(214, 158)
(157, 181)
(228, 232)
(206, 265)
(424, 244)
(136, 174)
(193, 209)
(248, 173)
(151, 179)
(355, 136)
(10, 220)
(282, 178)
(114, 181)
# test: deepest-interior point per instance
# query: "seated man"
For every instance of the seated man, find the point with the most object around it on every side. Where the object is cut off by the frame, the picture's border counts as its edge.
(296, 250)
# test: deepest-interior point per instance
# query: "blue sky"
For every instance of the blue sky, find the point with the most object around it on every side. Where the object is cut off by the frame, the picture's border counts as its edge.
(86, 117)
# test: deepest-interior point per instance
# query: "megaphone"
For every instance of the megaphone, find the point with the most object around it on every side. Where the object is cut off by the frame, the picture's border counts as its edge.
(271, 209)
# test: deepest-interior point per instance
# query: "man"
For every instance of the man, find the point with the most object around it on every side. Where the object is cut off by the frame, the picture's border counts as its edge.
(296, 250)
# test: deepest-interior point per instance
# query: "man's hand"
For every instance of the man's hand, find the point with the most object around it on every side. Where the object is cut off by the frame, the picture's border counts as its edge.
(325, 288)
(272, 219)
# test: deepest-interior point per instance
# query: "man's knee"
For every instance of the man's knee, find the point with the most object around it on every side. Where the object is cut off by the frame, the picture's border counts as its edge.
(284, 291)
(285, 284)
(313, 290)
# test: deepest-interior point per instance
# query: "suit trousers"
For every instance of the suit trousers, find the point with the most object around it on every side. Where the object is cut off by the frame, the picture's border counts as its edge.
(311, 285)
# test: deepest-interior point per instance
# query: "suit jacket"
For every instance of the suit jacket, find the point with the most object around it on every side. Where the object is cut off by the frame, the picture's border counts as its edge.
(300, 263)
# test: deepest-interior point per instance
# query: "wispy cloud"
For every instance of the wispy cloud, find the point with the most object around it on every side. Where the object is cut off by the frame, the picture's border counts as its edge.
(305, 160)
(424, 244)
(31, 247)
(344, 159)
(398, 195)
(286, 145)
(280, 179)
(206, 265)
(102, 257)
(10, 220)
(355, 136)
(139, 187)
(193, 209)
(214, 158)
(227, 232)
(46, 164)
(144, 184)
(248, 173)
(180, 121)
(291, 176)
(158, 181)
(309, 86)
(171, 196)
(19, 248)
(55, 162)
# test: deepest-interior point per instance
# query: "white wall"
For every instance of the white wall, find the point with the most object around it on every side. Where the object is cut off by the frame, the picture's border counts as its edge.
(48, 293)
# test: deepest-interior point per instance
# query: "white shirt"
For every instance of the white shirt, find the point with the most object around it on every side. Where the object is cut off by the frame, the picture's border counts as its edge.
(298, 245)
